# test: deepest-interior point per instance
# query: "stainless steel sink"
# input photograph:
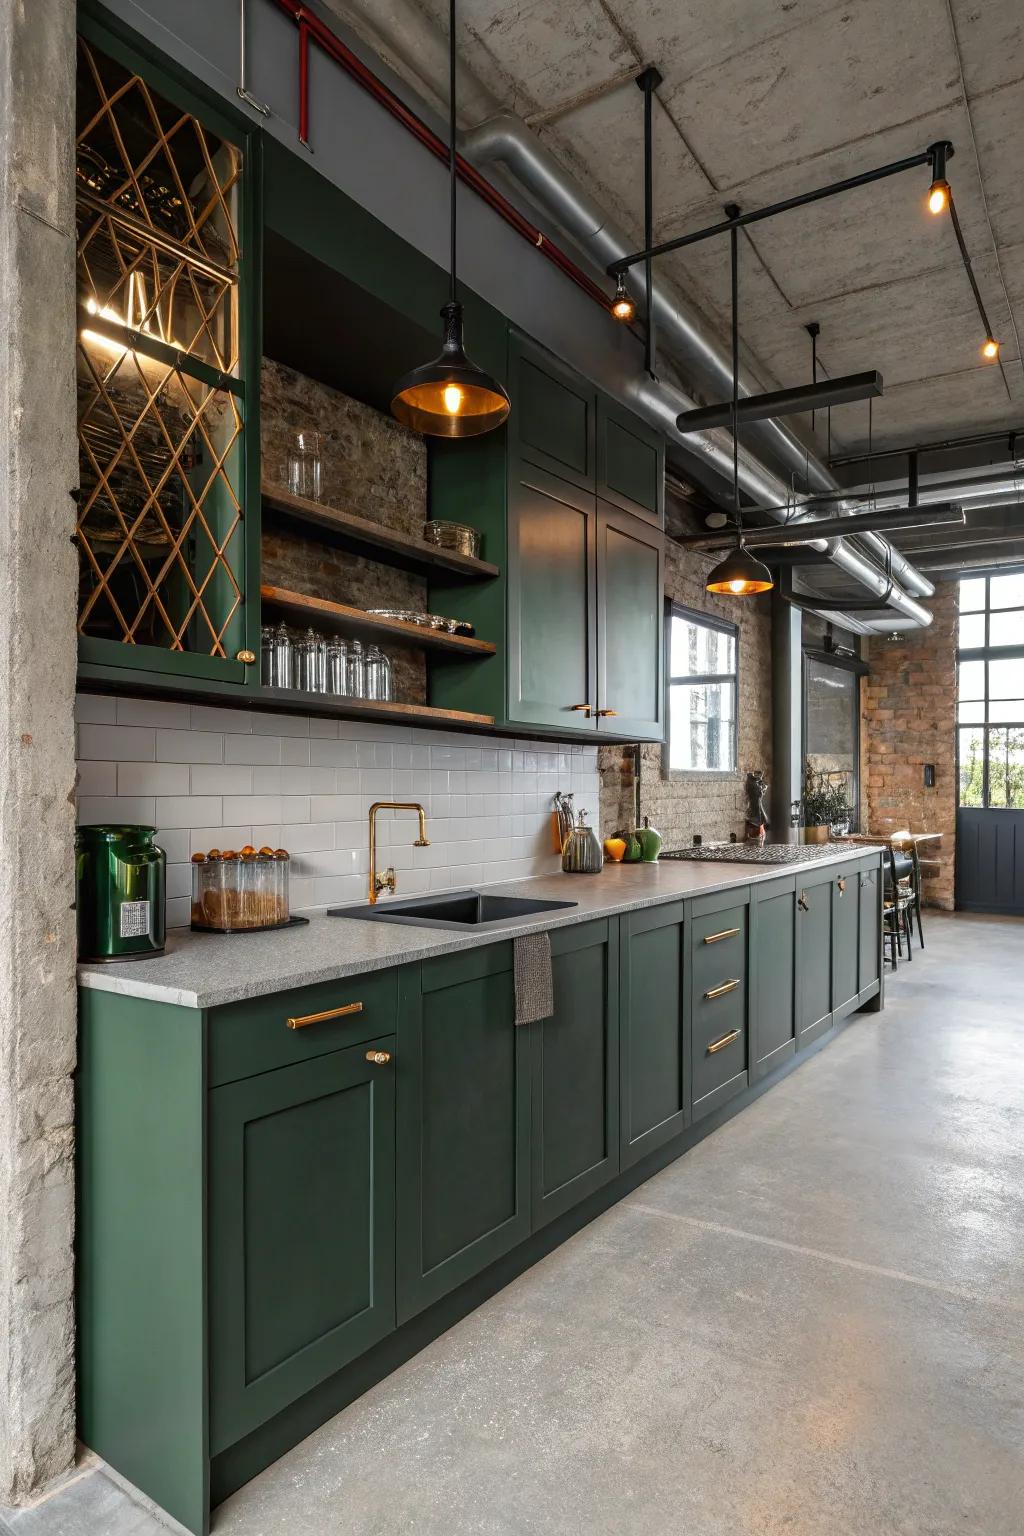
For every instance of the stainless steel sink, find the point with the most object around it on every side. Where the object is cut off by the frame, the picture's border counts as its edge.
(450, 909)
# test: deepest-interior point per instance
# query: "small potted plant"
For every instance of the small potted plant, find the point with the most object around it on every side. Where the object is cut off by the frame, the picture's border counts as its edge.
(825, 807)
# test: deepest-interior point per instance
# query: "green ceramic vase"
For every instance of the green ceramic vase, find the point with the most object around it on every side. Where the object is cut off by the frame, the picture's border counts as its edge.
(650, 841)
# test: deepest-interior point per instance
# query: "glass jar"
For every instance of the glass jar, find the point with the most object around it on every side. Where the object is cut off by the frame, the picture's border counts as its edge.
(318, 661)
(337, 666)
(232, 891)
(267, 656)
(305, 465)
(372, 672)
(385, 677)
(284, 662)
(356, 671)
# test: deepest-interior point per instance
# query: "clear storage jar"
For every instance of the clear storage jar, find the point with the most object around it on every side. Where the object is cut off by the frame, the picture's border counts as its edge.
(235, 891)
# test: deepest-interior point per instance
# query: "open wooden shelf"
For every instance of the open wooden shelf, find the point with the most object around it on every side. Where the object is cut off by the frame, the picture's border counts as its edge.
(386, 544)
(384, 711)
(360, 622)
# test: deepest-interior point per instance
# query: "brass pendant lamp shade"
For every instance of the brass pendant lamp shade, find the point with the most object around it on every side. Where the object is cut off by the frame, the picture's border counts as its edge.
(740, 574)
(451, 396)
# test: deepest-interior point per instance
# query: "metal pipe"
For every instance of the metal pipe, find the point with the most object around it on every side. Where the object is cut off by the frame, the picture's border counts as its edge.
(810, 530)
(740, 220)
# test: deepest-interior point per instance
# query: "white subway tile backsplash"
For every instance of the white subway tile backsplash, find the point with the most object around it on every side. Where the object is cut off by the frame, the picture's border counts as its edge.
(215, 777)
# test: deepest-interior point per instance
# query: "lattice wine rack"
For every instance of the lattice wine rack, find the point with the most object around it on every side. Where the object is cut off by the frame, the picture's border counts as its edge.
(160, 393)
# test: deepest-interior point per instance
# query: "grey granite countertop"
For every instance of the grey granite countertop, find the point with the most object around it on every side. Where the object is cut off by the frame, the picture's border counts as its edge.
(208, 970)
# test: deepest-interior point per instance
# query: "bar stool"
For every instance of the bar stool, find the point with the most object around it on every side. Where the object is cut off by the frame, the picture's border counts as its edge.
(898, 903)
(909, 847)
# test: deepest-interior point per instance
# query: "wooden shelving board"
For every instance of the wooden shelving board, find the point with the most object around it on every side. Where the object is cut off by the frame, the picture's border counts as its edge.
(384, 711)
(358, 620)
(386, 544)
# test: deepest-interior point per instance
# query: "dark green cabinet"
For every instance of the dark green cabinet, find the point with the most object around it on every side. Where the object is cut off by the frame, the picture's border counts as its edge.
(575, 1072)
(773, 915)
(464, 1128)
(845, 941)
(718, 986)
(630, 583)
(301, 1221)
(869, 957)
(813, 957)
(552, 603)
(652, 1021)
(554, 414)
(630, 463)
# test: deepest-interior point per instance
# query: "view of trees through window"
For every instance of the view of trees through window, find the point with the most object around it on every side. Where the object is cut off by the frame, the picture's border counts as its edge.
(990, 691)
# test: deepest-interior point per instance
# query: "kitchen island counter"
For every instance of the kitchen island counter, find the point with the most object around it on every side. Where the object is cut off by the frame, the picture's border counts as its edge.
(209, 970)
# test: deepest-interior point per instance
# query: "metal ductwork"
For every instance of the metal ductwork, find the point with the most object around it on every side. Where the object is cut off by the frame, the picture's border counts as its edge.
(505, 140)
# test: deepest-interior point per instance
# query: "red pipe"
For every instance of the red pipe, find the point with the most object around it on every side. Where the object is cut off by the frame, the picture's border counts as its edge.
(310, 26)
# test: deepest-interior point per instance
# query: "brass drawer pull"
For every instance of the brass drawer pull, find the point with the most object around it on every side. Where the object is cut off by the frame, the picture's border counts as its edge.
(320, 1018)
(803, 903)
(720, 1045)
(586, 708)
(607, 712)
(726, 933)
(378, 1058)
(720, 991)
(841, 883)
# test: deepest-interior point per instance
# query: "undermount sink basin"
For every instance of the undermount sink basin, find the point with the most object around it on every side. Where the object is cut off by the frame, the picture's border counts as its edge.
(452, 909)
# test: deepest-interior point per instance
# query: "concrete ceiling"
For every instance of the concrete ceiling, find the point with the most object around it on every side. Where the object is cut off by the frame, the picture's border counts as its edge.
(763, 99)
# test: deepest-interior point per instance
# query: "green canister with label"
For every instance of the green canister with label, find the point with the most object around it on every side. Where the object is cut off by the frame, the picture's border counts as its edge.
(119, 893)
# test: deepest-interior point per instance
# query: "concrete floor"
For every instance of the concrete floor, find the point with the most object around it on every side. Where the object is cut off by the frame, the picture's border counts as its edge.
(811, 1325)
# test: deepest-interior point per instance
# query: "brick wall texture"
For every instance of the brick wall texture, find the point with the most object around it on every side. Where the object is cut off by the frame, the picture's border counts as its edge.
(908, 718)
(710, 804)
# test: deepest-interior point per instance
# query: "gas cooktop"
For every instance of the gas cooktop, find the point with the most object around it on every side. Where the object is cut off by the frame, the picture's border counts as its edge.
(750, 853)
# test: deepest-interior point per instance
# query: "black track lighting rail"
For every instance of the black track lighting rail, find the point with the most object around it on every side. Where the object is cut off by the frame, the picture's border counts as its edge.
(935, 155)
(784, 402)
(941, 445)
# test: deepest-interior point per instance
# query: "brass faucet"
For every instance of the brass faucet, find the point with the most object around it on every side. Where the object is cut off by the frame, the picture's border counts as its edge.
(388, 880)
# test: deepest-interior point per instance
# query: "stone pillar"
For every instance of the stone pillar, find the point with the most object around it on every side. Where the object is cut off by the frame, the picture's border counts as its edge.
(38, 470)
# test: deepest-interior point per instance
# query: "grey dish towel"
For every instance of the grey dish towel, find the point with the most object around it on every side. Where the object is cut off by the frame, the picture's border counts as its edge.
(531, 963)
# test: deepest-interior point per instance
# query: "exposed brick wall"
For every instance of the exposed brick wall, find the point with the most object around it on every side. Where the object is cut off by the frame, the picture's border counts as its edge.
(711, 804)
(908, 718)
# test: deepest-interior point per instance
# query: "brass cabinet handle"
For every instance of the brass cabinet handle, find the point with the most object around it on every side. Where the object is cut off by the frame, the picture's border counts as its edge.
(607, 712)
(841, 883)
(803, 903)
(726, 933)
(720, 1045)
(247, 656)
(320, 1018)
(586, 708)
(378, 1058)
(722, 989)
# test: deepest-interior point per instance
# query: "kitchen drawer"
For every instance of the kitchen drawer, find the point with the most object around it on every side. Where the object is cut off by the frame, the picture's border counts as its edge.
(255, 1036)
(718, 1039)
(719, 947)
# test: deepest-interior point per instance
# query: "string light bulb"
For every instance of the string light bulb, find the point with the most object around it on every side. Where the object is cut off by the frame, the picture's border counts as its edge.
(938, 196)
(938, 192)
(990, 348)
(623, 306)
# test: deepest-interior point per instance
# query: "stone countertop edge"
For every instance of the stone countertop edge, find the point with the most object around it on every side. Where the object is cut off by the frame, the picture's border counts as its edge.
(210, 970)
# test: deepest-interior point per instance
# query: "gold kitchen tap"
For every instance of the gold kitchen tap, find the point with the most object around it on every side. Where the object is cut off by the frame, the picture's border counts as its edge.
(388, 880)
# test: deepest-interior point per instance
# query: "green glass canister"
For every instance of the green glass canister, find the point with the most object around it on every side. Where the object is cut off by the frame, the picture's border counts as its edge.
(119, 893)
(582, 853)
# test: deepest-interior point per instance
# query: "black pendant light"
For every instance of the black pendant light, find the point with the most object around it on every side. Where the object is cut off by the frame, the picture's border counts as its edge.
(740, 574)
(450, 397)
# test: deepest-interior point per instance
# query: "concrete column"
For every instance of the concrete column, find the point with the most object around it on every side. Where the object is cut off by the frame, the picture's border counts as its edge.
(38, 470)
(787, 717)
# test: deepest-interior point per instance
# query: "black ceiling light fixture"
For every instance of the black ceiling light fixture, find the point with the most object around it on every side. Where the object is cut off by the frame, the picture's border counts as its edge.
(451, 396)
(740, 574)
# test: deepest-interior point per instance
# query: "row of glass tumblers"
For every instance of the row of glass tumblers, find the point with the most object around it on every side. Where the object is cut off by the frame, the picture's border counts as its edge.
(319, 663)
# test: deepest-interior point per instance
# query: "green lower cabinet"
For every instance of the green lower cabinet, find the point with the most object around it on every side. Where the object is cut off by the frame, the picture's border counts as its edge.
(575, 1072)
(464, 1123)
(773, 914)
(301, 1224)
(718, 987)
(813, 957)
(652, 1088)
(869, 954)
(845, 942)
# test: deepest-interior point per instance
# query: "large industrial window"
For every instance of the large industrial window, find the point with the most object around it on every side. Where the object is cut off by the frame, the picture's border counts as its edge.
(990, 691)
(703, 662)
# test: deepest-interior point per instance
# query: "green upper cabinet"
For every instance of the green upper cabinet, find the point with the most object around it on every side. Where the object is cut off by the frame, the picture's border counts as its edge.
(167, 369)
(554, 414)
(630, 628)
(630, 463)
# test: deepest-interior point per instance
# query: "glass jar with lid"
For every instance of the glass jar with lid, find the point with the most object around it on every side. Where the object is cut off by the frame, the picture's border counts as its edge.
(305, 465)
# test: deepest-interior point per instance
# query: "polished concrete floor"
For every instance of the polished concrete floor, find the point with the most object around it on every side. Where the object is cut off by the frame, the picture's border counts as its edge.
(811, 1325)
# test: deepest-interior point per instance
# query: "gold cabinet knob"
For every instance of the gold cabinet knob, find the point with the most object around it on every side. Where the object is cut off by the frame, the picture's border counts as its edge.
(247, 656)
(585, 708)
(841, 883)
(607, 712)
(378, 1058)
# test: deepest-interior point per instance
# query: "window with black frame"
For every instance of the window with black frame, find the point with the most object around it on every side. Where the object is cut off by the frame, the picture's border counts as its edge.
(703, 670)
(990, 691)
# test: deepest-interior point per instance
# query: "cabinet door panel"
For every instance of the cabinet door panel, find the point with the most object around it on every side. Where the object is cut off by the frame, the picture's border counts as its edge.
(772, 979)
(464, 1146)
(813, 959)
(630, 463)
(301, 1231)
(575, 1109)
(630, 628)
(553, 414)
(869, 945)
(651, 1052)
(845, 937)
(551, 603)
